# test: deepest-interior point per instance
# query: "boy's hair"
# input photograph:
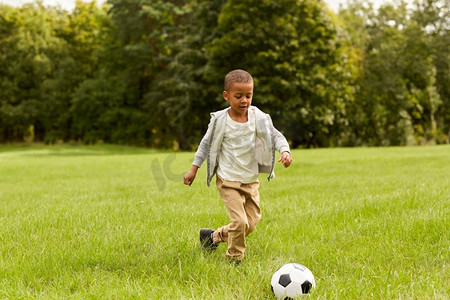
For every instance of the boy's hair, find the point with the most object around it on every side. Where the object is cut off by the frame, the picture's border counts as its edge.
(239, 76)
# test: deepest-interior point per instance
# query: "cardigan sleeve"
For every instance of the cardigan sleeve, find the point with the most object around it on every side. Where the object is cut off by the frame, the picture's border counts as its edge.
(280, 142)
(203, 148)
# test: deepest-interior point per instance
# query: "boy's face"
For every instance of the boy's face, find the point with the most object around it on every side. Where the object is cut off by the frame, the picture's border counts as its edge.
(239, 95)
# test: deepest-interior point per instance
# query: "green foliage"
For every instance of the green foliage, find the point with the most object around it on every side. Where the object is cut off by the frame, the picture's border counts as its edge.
(289, 47)
(47, 53)
(292, 50)
(400, 95)
(148, 72)
(190, 89)
(140, 47)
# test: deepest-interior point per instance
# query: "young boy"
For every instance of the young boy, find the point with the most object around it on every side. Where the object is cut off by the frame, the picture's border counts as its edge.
(239, 144)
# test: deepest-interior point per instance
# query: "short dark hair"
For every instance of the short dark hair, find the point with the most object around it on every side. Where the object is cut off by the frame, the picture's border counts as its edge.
(234, 76)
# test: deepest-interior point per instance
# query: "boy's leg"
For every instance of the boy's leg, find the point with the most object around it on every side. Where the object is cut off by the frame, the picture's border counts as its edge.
(235, 232)
(252, 208)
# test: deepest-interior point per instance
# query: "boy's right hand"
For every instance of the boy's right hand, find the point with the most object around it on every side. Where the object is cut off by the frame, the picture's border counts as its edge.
(188, 179)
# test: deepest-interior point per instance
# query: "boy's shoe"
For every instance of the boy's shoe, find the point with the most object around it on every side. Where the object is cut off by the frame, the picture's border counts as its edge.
(206, 239)
(234, 262)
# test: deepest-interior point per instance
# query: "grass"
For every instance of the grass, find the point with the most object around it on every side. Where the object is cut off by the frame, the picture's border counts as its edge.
(109, 222)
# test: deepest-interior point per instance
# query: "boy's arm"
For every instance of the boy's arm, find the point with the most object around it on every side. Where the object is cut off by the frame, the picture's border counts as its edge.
(200, 156)
(282, 145)
(202, 151)
(188, 179)
(286, 159)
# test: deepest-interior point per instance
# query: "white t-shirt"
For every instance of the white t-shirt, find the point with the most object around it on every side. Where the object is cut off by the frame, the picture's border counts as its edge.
(237, 160)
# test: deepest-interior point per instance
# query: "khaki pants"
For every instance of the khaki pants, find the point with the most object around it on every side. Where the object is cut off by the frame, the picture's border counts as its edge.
(242, 203)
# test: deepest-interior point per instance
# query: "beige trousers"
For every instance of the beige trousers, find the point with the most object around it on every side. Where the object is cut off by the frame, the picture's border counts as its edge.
(242, 204)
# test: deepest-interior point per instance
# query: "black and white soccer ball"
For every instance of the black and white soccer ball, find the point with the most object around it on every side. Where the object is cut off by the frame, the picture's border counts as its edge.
(292, 280)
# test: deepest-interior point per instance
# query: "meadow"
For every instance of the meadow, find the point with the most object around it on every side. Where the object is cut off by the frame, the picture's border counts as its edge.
(110, 222)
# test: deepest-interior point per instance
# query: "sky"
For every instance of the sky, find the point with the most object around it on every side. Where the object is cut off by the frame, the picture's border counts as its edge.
(70, 4)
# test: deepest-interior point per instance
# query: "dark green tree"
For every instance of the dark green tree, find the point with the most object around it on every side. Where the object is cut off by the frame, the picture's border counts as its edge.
(184, 95)
(29, 47)
(84, 34)
(46, 54)
(140, 47)
(291, 49)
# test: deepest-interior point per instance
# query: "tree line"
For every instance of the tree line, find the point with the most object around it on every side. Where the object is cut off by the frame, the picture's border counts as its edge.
(148, 72)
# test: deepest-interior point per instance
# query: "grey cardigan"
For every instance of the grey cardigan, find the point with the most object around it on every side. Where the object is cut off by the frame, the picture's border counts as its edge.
(268, 138)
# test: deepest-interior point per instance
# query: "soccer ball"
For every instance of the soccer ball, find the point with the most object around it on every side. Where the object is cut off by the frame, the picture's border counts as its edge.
(292, 280)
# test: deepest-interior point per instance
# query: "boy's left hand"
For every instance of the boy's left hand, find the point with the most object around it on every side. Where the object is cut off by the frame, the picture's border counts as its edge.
(285, 159)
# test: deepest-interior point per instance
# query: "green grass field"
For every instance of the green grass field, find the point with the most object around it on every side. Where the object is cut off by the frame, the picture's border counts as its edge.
(108, 222)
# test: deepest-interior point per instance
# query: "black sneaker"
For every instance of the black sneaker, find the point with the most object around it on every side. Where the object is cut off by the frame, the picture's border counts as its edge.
(234, 262)
(206, 239)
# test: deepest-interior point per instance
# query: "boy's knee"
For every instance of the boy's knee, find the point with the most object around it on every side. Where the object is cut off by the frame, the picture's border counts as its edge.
(251, 228)
(241, 225)
(252, 224)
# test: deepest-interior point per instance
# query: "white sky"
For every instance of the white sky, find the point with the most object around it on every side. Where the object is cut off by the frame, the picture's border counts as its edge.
(70, 4)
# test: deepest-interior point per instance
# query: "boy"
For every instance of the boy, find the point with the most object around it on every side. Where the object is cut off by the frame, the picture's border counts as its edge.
(239, 144)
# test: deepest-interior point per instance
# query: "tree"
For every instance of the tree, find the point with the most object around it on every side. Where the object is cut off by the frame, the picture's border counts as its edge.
(290, 48)
(28, 49)
(148, 72)
(83, 32)
(433, 19)
(141, 42)
(47, 54)
(190, 87)
(397, 101)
